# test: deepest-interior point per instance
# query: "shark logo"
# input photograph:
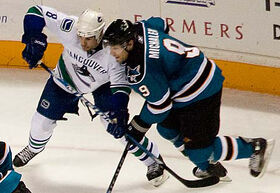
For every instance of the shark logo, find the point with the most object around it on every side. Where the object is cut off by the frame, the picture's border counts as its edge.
(133, 73)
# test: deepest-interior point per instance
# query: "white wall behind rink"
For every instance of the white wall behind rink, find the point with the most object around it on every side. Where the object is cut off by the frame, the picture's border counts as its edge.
(234, 30)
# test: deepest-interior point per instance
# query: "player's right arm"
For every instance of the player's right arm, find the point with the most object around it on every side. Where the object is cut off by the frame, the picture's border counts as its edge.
(33, 38)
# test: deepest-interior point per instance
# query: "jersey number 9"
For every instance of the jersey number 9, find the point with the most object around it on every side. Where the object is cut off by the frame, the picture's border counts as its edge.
(144, 90)
(174, 46)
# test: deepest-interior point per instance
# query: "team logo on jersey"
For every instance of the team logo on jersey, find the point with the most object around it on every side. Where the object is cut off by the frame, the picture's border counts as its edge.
(201, 3)
(133, 73)
(45, 104)
(67, 24)
(83, 72)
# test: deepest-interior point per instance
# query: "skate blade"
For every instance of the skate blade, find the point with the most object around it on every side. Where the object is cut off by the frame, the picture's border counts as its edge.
(160, 180)
(225, 179)
(267, 155)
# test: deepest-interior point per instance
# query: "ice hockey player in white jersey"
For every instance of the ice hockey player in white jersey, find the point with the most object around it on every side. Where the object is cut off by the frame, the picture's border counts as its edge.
(10, 181)
(86, 67)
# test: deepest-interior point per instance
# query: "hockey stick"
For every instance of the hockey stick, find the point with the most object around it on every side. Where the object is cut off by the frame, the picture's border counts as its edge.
(112, 183)
(97, 111)
(189, 183)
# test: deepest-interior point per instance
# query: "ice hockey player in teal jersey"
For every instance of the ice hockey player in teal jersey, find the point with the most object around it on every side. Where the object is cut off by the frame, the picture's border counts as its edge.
(182, 89)
(9, 179)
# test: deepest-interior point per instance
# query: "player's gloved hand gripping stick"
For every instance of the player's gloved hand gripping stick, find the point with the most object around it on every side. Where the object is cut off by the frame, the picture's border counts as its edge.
(188, 183)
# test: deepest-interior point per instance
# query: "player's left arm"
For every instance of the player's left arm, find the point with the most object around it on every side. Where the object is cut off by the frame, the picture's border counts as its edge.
(118, 100)
(33, 38)
(157, 101)
(119, 85)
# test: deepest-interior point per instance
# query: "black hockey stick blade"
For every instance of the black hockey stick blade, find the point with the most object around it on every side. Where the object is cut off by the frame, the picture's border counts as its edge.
(193, 183)
(113, 181)
(188, 183)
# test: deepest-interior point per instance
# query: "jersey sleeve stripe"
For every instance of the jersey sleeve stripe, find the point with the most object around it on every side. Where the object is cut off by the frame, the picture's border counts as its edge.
(121, 91)
(162, 105)
(162, 100)
(158, 109)
(194, 88)
(35, 10)
(125, 90)
(119, 85)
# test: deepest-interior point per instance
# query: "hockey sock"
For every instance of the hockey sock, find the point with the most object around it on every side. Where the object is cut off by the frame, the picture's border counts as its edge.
(140, 154)
(41, 132)
(231, 148)
(224, 148)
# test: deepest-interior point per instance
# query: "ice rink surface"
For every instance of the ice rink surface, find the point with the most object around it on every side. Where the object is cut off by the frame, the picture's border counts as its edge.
(81, 157)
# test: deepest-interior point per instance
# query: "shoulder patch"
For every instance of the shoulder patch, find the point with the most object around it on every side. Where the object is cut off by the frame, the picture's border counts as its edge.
(67, 24)
(135, 75)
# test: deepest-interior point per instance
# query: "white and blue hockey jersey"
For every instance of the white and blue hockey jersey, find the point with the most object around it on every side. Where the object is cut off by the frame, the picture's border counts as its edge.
(82, 70)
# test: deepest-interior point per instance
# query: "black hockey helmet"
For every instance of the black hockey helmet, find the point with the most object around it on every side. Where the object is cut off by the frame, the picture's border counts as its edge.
(118, 32)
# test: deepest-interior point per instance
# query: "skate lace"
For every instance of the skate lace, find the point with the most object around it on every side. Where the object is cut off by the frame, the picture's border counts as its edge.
(153, 168)
(254, 162)
(26, 155)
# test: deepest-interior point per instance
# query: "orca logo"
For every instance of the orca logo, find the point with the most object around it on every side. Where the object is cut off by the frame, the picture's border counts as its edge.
(45, 104)
(67, 24)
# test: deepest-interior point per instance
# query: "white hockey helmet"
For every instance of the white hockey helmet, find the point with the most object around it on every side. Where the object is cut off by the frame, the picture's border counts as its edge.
(91, 23)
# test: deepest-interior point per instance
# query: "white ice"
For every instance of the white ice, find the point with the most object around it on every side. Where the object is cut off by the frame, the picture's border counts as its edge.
(81, 157)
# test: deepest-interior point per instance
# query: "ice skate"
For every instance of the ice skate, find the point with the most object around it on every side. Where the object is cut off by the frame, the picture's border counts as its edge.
(23, 157)
(262, 150)
(214, 169)
(156, 174)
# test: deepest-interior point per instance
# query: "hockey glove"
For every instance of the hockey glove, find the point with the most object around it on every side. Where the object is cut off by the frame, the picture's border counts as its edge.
(118, 129)
(137, 128)
(34, 49)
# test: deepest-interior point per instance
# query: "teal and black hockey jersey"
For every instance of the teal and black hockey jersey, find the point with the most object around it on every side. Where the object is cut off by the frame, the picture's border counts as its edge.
(167, 72)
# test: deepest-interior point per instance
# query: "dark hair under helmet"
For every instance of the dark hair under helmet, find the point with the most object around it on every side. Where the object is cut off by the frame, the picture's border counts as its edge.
(118, 32)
